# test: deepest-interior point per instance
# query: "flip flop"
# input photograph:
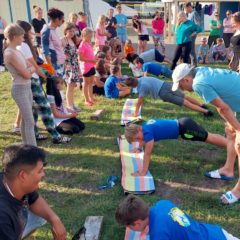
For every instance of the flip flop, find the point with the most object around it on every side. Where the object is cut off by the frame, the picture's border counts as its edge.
(216, 175)
(230, 197)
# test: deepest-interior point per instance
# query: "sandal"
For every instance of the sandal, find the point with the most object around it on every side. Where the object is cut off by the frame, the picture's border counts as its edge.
(62, 139)
(41, 137)
(216, 175)
(230, 197)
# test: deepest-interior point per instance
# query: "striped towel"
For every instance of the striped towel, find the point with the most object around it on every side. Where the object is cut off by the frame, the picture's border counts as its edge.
(128, 111)
(131, 162)
(132, 235)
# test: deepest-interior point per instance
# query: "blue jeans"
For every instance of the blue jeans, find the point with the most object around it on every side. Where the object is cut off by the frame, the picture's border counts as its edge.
(33, 223)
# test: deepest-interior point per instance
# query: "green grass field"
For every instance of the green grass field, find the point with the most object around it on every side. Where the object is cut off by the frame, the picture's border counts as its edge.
(76, 170)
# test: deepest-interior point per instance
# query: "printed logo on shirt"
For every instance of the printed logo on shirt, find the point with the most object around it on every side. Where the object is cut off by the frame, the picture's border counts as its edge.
(180, 217)
(152, 121)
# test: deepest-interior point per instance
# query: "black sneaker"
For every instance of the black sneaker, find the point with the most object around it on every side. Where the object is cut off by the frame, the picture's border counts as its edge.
(62, 139)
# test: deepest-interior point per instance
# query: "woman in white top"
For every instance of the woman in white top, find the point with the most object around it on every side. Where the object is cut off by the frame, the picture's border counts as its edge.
(142, 31)
(21, 72)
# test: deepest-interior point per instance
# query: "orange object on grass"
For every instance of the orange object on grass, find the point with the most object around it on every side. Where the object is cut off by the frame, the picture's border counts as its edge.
(128, 50)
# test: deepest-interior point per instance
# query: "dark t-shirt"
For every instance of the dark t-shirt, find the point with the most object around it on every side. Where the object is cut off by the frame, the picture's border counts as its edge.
(110, 28)
(38, 25)
(13, 213)
(235, 41)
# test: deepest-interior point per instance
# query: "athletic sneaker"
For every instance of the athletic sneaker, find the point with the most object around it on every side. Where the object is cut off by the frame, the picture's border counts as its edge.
(16, 129)
(62, 139)
(2, 68)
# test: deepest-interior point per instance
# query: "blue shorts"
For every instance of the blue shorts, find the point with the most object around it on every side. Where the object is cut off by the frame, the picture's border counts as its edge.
(114, 94)
(122, 37)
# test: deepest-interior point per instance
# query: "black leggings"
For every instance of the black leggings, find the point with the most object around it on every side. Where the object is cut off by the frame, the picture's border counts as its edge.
(1, 49)
(182, 50)
(190, 130)
(70, 126)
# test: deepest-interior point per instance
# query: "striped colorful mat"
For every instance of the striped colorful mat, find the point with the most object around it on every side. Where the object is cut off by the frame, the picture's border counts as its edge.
(132, 235)
(128, 111)
(131, 162)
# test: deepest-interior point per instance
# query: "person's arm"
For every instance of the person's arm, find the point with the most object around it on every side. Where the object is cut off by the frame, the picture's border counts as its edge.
(41, 208)
(83, 59)
(45, 45)
(38, 70)
(57, 114)
(138, 106)
(146, 159)
(219, 24)
(98, 82)
(18, 65)
(226, 113)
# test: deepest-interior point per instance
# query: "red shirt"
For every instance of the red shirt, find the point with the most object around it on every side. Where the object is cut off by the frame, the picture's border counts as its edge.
(158, 25)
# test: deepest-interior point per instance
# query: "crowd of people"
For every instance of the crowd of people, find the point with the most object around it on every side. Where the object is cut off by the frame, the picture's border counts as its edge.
(34, 55)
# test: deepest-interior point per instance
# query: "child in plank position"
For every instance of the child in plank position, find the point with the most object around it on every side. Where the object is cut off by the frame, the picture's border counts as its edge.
(112, 87)
(152, 68)
(163, 90)
(166, 221)
(161, 129)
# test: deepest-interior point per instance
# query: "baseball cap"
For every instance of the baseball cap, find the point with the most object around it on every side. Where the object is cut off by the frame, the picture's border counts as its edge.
(179, 73)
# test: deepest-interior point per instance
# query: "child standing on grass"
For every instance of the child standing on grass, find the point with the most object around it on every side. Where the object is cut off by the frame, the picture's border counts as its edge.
(65, 119)
(101, 33)
(87, 63)
(203, 52)
(71, 66)
(113, 87)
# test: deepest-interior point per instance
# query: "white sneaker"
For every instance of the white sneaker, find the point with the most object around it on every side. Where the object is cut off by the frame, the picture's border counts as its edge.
(2, 68)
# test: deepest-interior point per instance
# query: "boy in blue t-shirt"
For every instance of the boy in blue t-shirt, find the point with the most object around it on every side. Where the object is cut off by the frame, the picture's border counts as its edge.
(166, 221)
(162, 129)
(152, 68)
(112, 87)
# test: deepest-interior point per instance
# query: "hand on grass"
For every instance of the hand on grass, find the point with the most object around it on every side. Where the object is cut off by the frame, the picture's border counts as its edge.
(139, 173)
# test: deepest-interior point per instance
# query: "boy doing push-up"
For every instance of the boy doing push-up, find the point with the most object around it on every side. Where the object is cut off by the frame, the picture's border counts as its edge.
(162, 129)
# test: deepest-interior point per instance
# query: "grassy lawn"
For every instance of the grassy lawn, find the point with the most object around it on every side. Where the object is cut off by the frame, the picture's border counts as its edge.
(76, 170)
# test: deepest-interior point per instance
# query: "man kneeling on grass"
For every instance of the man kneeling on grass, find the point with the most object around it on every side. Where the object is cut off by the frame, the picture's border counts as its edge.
(22, 210)
(162, 129)
(157, 88)
(166, 221)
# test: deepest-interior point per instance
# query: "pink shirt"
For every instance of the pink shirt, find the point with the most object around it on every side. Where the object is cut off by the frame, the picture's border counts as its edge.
(158, 26)
(86, 50)
(81, 25)
(100, 40)
(227, 26)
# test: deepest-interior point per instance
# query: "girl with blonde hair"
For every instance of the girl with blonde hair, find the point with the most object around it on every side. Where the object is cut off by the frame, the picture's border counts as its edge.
(101, 33)
(87, 62)
(21, 72)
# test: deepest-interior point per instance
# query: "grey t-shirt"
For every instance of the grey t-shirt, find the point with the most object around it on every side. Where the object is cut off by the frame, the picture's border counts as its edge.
(194, 16)
(148, 56)
(149, 86)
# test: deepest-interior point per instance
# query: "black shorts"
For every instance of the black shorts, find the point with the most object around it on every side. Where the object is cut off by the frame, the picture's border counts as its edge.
(190, 130)
(158, 56)
(90, 73)
(143, 37)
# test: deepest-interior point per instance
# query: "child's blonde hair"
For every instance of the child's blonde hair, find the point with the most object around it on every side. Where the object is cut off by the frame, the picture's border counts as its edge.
(13, 30)
(72, 15)
(101, 19)
(220, 40)
(130, 131)
(180, 15)
(86, 31)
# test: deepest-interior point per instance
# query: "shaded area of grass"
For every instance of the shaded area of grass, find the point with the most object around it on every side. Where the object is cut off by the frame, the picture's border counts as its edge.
(76, 170)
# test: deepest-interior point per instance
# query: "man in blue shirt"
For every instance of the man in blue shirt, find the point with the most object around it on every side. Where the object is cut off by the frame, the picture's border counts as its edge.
(152, 68)
(166, 221)
(121, 25)
(221, 88)
(162, 129)
(157, 88)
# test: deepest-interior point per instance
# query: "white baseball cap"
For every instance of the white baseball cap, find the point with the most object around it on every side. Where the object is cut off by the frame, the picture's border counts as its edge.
(179, 73)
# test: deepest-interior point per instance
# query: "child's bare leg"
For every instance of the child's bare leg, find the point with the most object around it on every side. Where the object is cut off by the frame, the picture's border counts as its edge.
(124, 92)
(217, 140)
(90, 88)
(70, 94)
(86, 89)
(18, 120)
